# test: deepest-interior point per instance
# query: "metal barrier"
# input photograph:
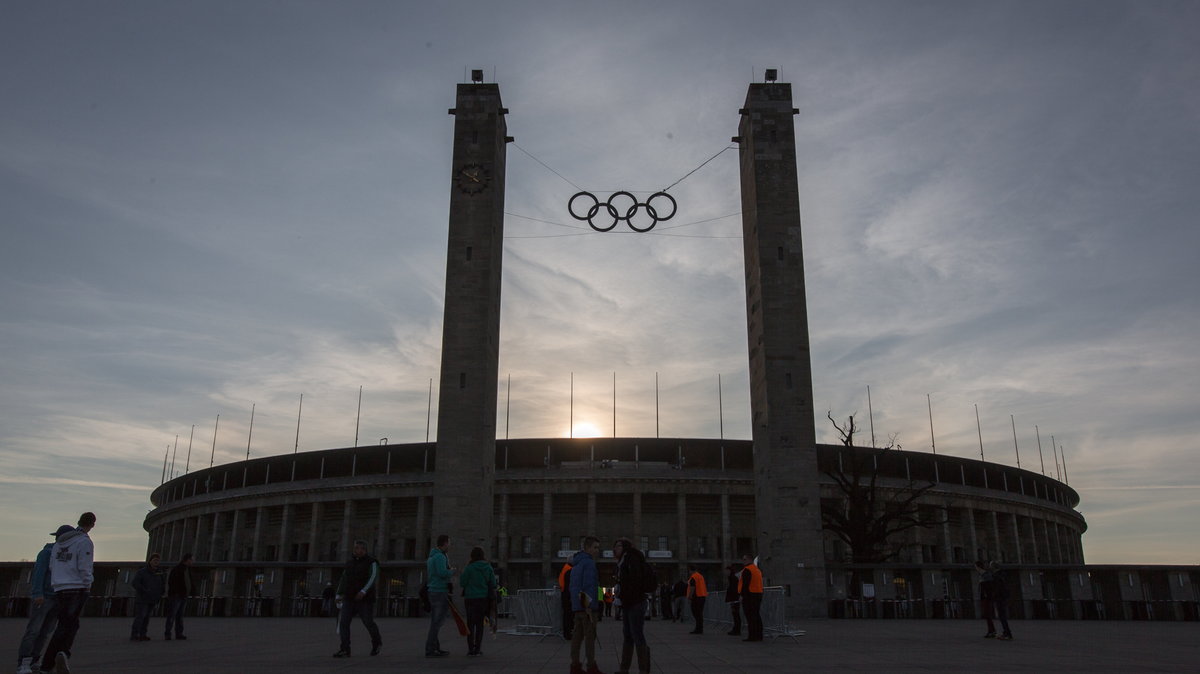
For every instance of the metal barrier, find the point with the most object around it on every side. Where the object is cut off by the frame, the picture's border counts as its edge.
(772, 612)
(537, 612)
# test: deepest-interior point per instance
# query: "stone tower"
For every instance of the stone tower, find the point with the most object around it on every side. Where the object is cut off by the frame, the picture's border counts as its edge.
(787, 497)
(466, 431)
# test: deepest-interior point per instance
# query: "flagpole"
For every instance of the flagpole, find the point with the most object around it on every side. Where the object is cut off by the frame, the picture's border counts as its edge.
(428, 410)
(299, 411)
(508, 406)
(720, 407)
(571, 414)
(251, 433)
(1040, 457)
(1015, 447)
(213, 455)
(173, 456)
(164, 471)
(358, 417)
(932, 442)
(871, 415)
(188, 464)
(979, 430)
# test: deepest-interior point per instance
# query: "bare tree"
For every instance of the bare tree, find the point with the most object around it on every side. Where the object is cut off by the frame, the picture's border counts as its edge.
(872, 515)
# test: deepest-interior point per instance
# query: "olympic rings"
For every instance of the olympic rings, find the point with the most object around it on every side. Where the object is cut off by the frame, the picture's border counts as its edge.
(621, 212)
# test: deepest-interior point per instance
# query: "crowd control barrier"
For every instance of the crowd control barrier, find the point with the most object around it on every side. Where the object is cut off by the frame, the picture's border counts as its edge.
(772, 612)
(537, 612)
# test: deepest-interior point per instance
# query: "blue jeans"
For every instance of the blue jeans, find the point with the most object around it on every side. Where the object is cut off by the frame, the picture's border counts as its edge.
(42, 620)
(365, 610)
(633, 623)
(175, 606)
(141, 618)
(69, 606)
(439, 606)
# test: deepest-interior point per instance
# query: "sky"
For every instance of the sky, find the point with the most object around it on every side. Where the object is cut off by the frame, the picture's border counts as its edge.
(213, 208)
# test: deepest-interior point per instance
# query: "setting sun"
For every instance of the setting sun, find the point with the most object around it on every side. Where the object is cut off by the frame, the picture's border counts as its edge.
(585, 429)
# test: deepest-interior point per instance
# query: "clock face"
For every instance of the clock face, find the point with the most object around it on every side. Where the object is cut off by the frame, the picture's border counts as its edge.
(471, 178)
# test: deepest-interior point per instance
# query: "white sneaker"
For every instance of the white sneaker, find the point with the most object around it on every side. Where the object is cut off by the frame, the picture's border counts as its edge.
(60, 664)
(24, 666)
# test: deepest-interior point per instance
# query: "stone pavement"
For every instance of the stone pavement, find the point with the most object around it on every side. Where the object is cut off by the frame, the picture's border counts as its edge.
(285, 645)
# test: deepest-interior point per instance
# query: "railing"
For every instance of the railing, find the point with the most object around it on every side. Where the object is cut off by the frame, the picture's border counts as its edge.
(772, 612)
(537, 611)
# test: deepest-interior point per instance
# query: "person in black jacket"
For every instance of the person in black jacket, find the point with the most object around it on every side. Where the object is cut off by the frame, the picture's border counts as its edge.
(733, 598)
(356, 592)
(149, 586)
(179, 588)
(634, 580)
(1000, 600)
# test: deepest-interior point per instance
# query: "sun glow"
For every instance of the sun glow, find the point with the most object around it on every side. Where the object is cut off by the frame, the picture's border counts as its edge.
(585, 429)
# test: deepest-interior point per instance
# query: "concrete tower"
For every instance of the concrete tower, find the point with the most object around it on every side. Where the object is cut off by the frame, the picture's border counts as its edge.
(466, 432)
(787, 500)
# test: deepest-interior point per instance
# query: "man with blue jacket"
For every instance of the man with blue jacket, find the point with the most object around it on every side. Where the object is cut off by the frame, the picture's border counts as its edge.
(584, 604)
(43, 617)
(438, 574)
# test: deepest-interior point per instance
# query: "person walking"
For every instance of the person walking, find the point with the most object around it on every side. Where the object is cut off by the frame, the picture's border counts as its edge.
(697, 591)
(479, 591)
(179, 588)
(750, 586)
(148, 583)
(678, 599)
(71, 574)
(608, 602)
(564, 595)
(1000, 600)
(43, 616)
(635, 578)
(585, 605)
(733, 598)
(327, 596)
(356, 590)
(439, 572)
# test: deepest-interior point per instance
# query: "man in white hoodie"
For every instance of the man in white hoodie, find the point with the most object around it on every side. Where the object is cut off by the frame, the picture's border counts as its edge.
(71, 561)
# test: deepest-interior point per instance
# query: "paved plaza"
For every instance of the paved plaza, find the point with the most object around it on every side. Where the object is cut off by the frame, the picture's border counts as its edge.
(284, 645)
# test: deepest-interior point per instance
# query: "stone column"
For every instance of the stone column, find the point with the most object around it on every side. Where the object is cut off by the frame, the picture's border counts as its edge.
(197, 536)
(685, 551)
(637, 517)
(947, 542)
(1046, 538)
(973, 540)
(548, 557)
(314, 531)
(260, 517)
(285, 533)
(1033, 543)
(234, 553)
(347, 523)
(502, 542)
(997, 554)
(382, 539)
(591, 516)
(171, 540)
(1016, 532)
(424, 545)
(727, 551)
(212, 542)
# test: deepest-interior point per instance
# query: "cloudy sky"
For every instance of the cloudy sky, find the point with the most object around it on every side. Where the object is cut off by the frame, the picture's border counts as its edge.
(209, 207)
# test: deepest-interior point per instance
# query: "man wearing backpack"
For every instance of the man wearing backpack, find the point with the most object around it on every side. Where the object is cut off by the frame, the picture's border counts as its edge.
(635, 579)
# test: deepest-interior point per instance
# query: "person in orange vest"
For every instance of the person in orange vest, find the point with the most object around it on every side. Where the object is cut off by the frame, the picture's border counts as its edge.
(750, 586)
(697, 592)
(608, 602)
(568, 616)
